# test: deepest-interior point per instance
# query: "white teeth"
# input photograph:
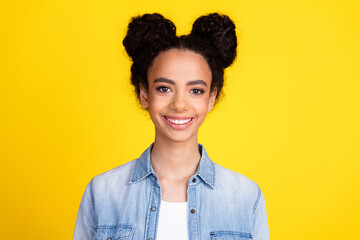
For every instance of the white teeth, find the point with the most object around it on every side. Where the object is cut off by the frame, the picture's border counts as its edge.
(178, 121)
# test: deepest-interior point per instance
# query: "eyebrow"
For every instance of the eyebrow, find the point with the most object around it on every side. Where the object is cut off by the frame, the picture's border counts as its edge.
(194, 82)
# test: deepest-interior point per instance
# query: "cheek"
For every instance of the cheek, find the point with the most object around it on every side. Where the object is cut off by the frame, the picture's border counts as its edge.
(202, 107)
(154, 100)
(156, 104)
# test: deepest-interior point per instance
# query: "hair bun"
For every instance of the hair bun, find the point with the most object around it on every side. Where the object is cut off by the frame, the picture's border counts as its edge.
(219, 30)
(148, 34)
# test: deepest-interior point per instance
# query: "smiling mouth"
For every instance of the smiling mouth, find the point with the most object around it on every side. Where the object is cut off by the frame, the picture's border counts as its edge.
(179, 121)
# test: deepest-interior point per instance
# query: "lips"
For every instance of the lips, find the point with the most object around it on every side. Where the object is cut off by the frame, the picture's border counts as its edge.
(178, 122)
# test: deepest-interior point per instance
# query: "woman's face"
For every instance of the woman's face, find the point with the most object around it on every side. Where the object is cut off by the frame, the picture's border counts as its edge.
(178, 96)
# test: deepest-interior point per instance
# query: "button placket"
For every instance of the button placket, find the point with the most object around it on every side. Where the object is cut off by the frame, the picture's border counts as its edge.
(192, 216)
(153, 214)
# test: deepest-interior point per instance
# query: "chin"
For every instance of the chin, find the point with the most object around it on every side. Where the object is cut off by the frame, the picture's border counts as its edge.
(178, 137)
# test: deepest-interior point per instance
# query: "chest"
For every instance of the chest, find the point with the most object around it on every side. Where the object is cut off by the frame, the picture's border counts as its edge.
(210, 214)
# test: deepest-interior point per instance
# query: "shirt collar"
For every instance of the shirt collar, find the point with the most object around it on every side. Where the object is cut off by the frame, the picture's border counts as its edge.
(143, 168)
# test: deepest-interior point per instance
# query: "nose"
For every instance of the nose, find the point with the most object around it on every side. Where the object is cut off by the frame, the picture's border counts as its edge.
(179, 102)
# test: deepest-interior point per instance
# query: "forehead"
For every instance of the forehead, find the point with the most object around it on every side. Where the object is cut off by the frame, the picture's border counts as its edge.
(180, 65)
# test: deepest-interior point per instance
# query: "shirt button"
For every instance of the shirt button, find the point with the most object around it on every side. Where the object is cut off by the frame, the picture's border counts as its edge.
(192, 211)
(194, 180)
(109, 238)
(150, 239)
(153, 208)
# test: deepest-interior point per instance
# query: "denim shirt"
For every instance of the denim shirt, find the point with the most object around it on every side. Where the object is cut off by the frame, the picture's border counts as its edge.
(123, 203)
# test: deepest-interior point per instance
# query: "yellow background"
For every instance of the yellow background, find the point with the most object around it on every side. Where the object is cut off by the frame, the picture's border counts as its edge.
(289, 119)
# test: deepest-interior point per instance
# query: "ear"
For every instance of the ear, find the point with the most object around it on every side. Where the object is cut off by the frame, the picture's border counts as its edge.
(212, 99)
(144, 96)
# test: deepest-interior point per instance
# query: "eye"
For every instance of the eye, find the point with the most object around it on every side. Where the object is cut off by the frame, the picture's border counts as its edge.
(163, 89)
(197, 91)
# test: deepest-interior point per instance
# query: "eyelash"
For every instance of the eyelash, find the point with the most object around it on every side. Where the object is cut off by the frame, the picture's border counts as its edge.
(198, 90)
(161, 88)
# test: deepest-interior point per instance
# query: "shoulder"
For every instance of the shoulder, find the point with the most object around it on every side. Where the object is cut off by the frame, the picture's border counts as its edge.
(114, 177)
(236, 183)
(224, 175)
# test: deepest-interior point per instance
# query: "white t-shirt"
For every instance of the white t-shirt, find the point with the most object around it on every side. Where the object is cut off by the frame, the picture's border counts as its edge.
(172, 221)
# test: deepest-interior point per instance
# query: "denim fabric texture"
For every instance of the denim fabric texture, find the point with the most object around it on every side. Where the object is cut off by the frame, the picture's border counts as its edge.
(123, 203)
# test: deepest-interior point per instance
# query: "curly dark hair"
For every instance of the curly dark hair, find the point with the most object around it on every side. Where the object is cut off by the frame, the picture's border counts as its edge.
(213, 36)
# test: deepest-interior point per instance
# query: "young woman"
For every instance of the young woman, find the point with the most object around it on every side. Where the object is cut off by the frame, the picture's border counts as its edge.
(174, 190)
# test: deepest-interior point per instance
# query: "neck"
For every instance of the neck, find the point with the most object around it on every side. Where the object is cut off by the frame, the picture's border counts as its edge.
(175, 160)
